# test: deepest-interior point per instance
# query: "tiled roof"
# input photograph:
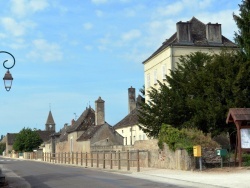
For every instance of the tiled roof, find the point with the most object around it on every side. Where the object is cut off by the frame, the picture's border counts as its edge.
(88, 134)
(238, 114)
(198, 35)
(129, 120)
(64, 134)
(11, 138)
(45, 135)
(86, 120)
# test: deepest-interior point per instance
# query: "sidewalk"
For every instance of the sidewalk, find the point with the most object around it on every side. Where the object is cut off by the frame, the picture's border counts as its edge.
(217, 177)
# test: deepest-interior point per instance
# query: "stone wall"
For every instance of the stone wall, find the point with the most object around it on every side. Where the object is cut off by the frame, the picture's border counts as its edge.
(165, 158)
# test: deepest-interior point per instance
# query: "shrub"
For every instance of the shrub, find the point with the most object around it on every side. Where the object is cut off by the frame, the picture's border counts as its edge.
(184, 138)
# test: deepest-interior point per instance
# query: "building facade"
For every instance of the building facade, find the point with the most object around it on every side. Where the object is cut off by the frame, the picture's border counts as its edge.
(128, 127)
(191, 36)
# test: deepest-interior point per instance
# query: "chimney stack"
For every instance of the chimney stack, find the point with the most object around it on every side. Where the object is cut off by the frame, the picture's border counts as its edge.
(131, 99)
(213, 33)
(183, 32)
(99, 111)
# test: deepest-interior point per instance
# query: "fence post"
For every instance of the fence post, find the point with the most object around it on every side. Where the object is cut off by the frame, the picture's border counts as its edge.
(81, 158)
(119, 160)
(50, 157)
(64, 157)
(72, 158)
(91, 155)
(128, 167)
(97, 159)
(103, 159)
(68, 157)
(86, 155)
(138, 161)
(111, 164)
(76, 158)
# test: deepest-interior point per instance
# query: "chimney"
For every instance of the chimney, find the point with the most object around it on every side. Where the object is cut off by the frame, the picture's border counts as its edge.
(131, 99)
(99, 111)
(183, 32)
(213, 33)
(72, 122)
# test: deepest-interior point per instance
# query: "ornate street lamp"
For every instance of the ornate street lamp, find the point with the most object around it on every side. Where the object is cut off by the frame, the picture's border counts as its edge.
(8, 77)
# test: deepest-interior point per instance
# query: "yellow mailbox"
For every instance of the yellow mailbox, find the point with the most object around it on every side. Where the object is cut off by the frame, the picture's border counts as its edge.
(197, 151)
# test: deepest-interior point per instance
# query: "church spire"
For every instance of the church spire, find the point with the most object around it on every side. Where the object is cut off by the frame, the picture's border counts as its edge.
(50, 124)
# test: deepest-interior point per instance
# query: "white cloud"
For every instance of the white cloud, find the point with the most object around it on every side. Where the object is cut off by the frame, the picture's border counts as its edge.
(23, 7)
(45, 51)
(99, 13)
(15, 28)
(170, 9)
(97, 2)
(87, 26)
(131, 35)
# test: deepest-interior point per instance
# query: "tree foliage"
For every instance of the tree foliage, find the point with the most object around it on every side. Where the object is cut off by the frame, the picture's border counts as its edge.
(27, 140)
(2, 147)
(184, 138)
(199, 93)
(242, 37)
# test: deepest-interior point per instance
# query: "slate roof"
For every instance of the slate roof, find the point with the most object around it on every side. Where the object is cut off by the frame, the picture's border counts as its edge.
(86, 120)
(198, 35)
(11, 138)
(63, 134)
(50, 120)
(238, 114)
(129, 120)
(89, 133)
(45, 135)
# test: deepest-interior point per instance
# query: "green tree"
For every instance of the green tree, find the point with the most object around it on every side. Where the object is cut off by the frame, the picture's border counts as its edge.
(242, 38)
(199, 93)
(2, 147)
(27, 140)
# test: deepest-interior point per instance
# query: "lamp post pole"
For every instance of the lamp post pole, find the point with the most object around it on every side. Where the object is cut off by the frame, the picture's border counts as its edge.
(8, 77)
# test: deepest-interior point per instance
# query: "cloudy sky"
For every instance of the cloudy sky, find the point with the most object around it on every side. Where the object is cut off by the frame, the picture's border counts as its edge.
(68, 53)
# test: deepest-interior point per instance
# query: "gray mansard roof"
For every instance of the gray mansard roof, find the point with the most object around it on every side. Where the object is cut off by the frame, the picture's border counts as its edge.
(198, 36)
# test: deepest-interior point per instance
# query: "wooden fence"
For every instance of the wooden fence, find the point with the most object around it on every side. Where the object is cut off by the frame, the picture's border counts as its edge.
(100, 159)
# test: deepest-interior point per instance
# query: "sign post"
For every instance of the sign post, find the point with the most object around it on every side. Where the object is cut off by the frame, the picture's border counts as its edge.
(197, 153)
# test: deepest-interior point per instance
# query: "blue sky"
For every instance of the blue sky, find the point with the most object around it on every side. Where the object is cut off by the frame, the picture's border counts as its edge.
(68, 53)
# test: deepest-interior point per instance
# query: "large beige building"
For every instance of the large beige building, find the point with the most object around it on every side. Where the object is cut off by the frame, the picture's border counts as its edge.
(191, 36)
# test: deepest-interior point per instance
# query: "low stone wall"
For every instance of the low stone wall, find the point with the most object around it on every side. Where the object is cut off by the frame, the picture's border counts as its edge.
(165, 158)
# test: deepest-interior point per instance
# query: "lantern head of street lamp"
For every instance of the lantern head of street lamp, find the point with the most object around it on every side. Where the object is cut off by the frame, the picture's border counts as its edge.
(8, 80)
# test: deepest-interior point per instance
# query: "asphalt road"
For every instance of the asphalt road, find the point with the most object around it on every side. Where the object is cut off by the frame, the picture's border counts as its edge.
(23, 174)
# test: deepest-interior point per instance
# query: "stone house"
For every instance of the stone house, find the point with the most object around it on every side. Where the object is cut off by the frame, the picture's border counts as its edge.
(90, 129)
(128, 127)
(10, 138)
(190, 36)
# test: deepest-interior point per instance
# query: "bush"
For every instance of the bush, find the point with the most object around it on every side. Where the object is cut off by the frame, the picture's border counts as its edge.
(184, 138)
(246, 159)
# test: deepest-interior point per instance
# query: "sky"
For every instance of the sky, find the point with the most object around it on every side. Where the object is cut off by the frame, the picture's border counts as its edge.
(70, 53)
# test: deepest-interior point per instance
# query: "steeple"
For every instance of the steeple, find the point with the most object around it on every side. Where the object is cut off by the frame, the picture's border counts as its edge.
(50, 124)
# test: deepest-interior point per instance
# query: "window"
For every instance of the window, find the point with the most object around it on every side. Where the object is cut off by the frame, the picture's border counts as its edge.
(163, 72)
(148, 80)
(155, 76)
(139, 137)
(143, 136)
(125, 140)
